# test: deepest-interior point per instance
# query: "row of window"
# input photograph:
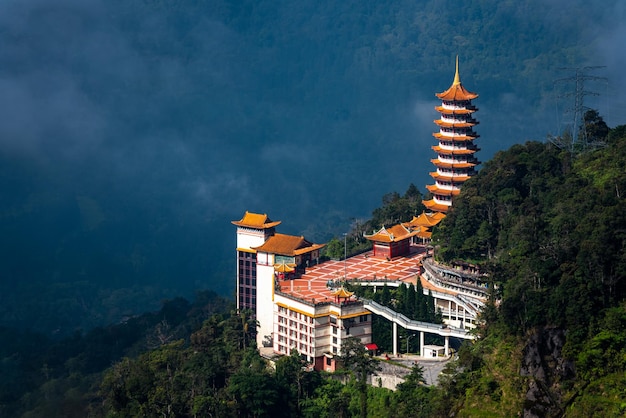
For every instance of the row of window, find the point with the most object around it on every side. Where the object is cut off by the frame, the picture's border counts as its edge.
(458, 130)
(296, 315)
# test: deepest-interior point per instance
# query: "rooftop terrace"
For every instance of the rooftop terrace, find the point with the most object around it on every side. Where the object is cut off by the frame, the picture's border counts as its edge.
(313, 284)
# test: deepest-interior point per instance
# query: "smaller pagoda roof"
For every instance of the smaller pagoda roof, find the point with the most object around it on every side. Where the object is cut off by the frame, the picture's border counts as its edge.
(438, 207)
(445, 124)
(256, 221)
(288, 245)
(420, 231)
(438, 215)
(439, 135)
(449, 178)
(434, 189)
(464, 111)
(456, 90)
(424, 233)
(342, 293)
(465, 151)
(443, 164)
(394, 233)
(424, 220)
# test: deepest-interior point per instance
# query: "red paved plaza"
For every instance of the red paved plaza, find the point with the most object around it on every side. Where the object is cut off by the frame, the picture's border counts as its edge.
(312, 285)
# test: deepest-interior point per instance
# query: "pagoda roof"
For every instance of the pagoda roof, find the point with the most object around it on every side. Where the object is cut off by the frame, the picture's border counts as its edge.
(443, 164)
(445, 124)
(394, 233)
(288, 245)
(434, 189)
(456, 90)
(438, 215)
(464, 151)
(424, 220)
(256, 221)
(449, 178)
(342, 293)
(459, 138)
(438, 207)
(464, 111)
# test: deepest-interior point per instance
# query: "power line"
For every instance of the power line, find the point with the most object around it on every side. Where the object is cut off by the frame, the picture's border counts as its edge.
(576, 139)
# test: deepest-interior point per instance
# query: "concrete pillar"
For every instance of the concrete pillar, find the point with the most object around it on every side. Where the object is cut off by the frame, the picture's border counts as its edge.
(421, 343)
(395, 339)
(449, 310)
(447, 346)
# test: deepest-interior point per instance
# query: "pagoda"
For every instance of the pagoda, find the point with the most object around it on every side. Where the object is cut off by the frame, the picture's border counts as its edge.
(455, 160)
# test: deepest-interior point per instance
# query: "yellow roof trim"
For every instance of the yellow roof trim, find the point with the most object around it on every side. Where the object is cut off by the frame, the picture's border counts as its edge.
(353, 315)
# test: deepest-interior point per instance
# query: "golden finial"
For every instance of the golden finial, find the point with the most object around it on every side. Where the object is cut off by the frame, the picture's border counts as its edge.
(457, 78)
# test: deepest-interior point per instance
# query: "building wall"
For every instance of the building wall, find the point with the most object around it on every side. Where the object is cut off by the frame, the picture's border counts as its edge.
(248, 238)
(246, 280)
(265, 296)
(317, 331)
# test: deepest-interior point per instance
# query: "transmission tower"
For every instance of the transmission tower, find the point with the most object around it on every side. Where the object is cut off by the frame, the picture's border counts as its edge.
(576, 140)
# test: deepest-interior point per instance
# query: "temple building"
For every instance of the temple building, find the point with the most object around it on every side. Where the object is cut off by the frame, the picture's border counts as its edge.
(391, 242)
(305, 304)
(455, 160)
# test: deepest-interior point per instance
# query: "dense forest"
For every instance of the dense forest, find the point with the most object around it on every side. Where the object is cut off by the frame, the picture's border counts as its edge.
(547, 224)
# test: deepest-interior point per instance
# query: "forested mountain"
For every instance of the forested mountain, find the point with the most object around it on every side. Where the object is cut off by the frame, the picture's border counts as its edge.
(547, 225)
(132, 132)
(550, 228)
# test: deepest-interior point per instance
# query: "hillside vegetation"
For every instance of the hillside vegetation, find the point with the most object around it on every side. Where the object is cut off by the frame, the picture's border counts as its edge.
(550, 228)
(547, 225)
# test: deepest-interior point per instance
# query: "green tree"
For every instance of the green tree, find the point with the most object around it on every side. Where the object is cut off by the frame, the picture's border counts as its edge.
(413, 395)
(354, 357)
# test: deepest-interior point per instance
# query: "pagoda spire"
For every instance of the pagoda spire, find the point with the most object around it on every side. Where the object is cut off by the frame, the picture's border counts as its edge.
(457, 78)
(455, 162)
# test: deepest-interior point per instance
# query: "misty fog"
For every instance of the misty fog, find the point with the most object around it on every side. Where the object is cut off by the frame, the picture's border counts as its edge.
(133, 132)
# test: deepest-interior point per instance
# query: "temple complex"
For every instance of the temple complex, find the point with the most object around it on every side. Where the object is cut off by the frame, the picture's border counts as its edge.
(455, 160)
(301, 303)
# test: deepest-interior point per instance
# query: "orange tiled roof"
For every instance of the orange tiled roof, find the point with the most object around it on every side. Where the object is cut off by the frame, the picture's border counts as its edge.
(394, 233)
(465, 111)
(425, 220)
(445, 124)
(443, 177)
(424, 233)
(342, 293)
(434, 189)
(440, 150)
(443, 164)
(256, 220)
(289, 245)
(432, 205)
(439, 135)
(438, 215)
(456, 90)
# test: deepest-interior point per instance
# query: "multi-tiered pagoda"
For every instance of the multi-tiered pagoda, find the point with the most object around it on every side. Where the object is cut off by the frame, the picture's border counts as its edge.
(455, 160)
